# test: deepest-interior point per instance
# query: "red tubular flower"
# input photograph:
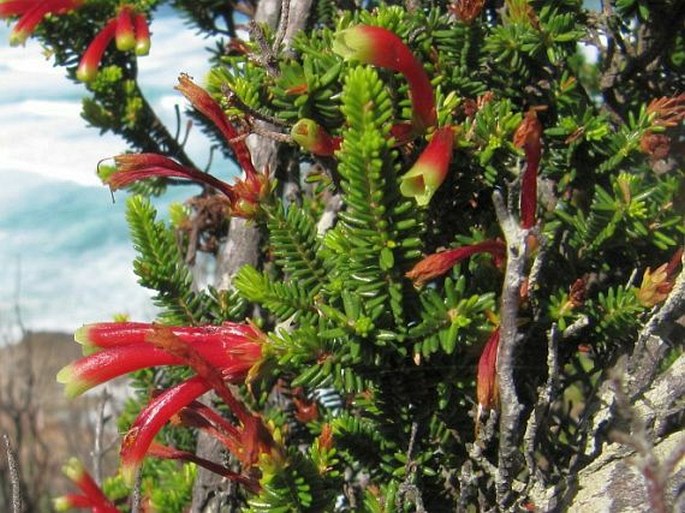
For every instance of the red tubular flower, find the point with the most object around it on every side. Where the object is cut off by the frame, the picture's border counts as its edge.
(253, 437)
(125, 36)
(314, 138)
(32, 13)
(92, 496)
(528, 136)
(438, 264)
(103, 335)
(134, 167)
(251, 190)
(380, 47)
(430, 169)
(487, 389)
(210, 108)
(152, 418)
(245, 196)
(232, 349)
(142, 29)
(90, 61)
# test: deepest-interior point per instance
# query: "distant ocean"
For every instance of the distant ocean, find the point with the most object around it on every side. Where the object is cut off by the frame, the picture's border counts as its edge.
(65, 256)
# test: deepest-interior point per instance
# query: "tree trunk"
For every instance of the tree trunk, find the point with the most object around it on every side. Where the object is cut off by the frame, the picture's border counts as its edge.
(211, 494)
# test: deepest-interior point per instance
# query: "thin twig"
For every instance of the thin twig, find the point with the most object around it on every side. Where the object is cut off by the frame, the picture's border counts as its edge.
(509, 457)
(136, 493)
(638, 440)
(235, 101)
(408, 490)
(545, 399)
(266, 57)
(270, 134)
(17, 500)
(282, 26)
(98, 452)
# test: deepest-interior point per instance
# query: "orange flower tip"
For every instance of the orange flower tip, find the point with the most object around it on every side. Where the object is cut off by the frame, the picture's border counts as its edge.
(128, 471)
(142, 30)
(430, 169)
(62, 503)
(82, 337)
(18, 37)
(86, 73)
(73, 386)
(74, 470)
(125, 36)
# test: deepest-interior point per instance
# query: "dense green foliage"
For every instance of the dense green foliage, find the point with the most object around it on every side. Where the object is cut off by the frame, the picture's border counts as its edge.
(391, 368)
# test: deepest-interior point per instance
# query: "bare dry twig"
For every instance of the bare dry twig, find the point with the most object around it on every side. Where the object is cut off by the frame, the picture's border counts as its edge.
(17, 500)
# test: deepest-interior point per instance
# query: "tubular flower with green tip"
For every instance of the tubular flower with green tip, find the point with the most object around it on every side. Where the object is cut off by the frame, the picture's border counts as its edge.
(31, 13)
(380, 47)
(125, 36)
(528, 136)
(253, 440)
(129, 30)
(132, 167)
(245, 195)
(202, 101)
(314, 138)
(142, 29)
(430, 169)
(438, 264)
(91, 495)
(232, 349)
(90, 61)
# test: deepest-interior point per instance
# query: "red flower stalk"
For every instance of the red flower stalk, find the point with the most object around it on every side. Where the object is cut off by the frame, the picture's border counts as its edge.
(92, 496)
(125, 37)
(142, 30)
(380, 47)
(90, 61)
(133, 167)
(528, 136)
(438, 264)
(31, 13)
(314, 138)
(430, 169)
(487, 388)
(169, 453)
(246, 442)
